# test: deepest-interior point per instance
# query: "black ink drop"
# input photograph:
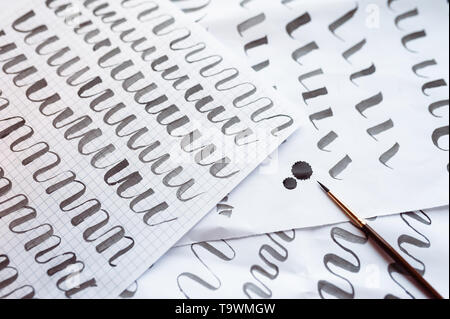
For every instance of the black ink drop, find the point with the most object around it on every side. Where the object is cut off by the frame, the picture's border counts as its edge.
(302, 171)
(290, 183)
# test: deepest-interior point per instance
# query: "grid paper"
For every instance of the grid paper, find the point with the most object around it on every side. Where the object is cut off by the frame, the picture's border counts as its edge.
(150, 242)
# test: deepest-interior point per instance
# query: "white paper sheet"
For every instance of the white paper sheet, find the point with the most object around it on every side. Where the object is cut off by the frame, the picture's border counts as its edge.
(104, 167)
(325, 262)
(372, 76)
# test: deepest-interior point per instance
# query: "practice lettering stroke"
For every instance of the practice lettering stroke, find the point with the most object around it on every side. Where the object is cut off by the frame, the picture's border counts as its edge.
(86, 212)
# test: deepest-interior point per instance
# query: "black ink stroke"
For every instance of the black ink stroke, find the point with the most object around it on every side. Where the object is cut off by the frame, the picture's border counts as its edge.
(366, 104)
(334, 26)
(198, 9)
(251, 23)
(312, 95)
(41, 240)
(340, 167)
(404, 240)
(442, 130)
(297, 23)
(276, 251)
(130, 292)
(148, 13)
(45, 164)
(8, 281)
(341, 237)
(155, 104)
(214, 283)
(224, 208)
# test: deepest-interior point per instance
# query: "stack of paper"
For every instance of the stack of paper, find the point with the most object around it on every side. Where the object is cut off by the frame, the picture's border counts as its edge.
(130, 127)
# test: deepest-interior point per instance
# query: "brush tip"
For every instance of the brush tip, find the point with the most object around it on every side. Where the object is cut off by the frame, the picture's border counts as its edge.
(323, 187)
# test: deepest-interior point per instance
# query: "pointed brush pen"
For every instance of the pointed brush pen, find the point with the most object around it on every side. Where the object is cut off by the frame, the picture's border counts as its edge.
(362, 224)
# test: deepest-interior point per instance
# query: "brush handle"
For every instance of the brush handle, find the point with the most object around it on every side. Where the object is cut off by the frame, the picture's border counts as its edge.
(371, 233)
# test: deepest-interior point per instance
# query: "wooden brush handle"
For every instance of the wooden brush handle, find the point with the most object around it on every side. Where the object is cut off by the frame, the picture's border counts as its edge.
(371, 233)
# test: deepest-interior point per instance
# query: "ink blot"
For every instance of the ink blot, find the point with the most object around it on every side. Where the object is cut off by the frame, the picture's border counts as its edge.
(302, 171)
(290, 183)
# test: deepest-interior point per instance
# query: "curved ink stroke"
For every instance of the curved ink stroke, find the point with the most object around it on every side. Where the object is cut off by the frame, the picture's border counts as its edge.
(326, 141)
(213, 251)
(389, 154)
(341, 21)
(41, 239)
(408, 14)
(404, 240)
(340, 167)
(103, 156)
(250, 23)
(209, 65)
(7, 288)
(326, 287)
(365, 104)
(131, 291)
(263, 41)
(427, 63)
(225, 209)
(280, 253)
(423, 65)
(191, 7)
(297, 23)
(45, 165)
(150, 97)
(438, 134)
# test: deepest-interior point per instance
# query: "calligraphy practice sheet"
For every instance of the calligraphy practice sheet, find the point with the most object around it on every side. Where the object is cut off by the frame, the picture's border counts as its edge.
(122, 123)
(326, 262)
(372, 78)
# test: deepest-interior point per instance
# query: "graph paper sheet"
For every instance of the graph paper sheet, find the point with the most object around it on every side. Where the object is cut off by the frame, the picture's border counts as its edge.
(121, 126)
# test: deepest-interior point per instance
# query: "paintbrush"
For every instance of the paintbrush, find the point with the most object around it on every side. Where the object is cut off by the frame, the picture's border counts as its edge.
(362, 224)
